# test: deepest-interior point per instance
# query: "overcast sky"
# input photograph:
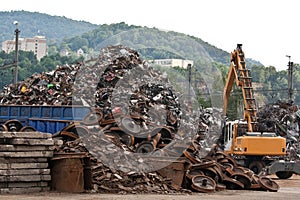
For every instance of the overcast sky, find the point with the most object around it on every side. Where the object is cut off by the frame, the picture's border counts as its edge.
(268, 29)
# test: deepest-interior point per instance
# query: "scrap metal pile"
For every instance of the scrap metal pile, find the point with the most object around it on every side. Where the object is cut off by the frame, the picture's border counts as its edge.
(107, 179)
(16, 126)
(219, 171)
(124, 83)
(282, 118)
(118, 82)
(48, 88)
(136, 112)
(133, 103)
(215, 172)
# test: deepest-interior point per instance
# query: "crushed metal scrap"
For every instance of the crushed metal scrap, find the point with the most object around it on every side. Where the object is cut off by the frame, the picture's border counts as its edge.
(124, 83)
(282, 118)
(128, 114)
(215, 172)
(136, 130)
(106, 179)
(14, 125)
(48, 88)
(218, 171)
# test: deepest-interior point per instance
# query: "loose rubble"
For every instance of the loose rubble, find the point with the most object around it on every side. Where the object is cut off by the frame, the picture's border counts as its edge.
(135, 112)
(215, 172)
(48, 88)
(133, 131)
(283, 118)
(15, 125)
(106, 179)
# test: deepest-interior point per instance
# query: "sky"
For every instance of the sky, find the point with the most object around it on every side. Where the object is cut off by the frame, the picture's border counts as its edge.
(268, 29)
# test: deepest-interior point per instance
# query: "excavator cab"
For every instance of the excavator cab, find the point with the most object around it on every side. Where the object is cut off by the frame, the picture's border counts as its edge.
(238, 141)
(231, 130)
(242, 139)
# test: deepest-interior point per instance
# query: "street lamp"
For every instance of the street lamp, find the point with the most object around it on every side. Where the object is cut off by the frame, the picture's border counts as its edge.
(16, 52)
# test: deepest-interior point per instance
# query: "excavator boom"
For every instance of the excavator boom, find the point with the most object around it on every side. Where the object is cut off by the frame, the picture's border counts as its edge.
(251, 147)
(238, 72)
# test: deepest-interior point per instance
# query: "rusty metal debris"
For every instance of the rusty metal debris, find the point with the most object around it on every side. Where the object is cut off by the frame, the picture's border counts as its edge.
(129, 97)
(136, 111)
(202, 183)
(283, 118)
(14, 125)
(48, 88)
(134, 104)
(135, 100)
(218, 170)
(132, 123)
(268, 184)
(280, 117)
(106, 179)
(215, 172)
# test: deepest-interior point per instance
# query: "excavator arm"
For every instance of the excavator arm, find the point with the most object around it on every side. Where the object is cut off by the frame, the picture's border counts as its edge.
(253, 148)
(241, 75)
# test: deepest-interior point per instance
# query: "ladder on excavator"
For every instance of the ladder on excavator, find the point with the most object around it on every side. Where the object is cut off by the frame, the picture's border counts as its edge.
(239, 72)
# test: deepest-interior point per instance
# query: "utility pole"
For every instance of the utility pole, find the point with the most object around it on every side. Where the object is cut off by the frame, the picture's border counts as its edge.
(189, 68)
(16, 52)
(290, 79)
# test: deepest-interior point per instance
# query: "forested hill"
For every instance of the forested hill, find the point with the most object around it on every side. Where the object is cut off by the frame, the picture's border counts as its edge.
(152, 42)
(55, 28)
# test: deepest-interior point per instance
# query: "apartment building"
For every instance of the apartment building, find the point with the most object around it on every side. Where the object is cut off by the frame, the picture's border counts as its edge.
(37, 45)
(172, 62)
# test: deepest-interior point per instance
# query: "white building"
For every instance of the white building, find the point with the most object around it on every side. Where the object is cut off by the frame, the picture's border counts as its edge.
(172, 62)
(37, 45)
(80, 52)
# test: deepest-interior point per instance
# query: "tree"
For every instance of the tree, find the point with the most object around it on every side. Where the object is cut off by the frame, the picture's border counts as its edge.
(258, 74)
(78, 42)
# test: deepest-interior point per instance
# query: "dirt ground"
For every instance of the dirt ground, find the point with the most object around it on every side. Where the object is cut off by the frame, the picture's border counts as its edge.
(289, 189)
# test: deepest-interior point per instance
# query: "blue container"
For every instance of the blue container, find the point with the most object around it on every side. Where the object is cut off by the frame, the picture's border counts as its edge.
(48, 125)
(50, 119)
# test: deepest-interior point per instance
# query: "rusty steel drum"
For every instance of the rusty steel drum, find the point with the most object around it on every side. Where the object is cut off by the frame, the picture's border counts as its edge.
(67, 173)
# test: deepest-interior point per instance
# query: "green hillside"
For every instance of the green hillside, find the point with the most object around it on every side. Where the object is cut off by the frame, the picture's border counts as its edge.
(144, 39)
(33, 23)
(210, 63)
(150, 41)
(81, 34)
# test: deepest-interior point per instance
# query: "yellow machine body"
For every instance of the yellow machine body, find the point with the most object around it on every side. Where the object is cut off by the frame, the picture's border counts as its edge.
(257, 144)
(240, 142)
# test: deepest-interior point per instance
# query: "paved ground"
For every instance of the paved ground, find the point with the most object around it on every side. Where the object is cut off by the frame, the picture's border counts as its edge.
(289, 190)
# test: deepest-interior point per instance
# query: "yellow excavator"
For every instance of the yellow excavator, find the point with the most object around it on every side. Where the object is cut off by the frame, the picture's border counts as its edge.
(242, 139)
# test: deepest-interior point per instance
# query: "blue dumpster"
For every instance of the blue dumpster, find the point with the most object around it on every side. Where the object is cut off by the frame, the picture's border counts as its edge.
(50, 119)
